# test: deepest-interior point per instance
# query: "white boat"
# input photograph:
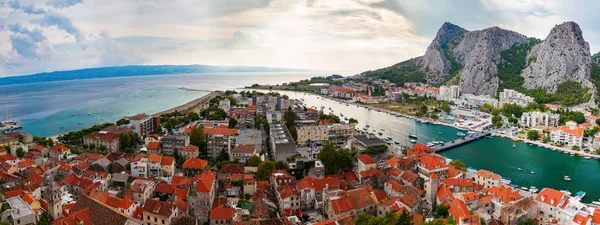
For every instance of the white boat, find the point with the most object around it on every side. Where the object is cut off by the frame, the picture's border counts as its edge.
(580, 194)
(413, 141)
(597, 203)
(567, 178)
(388, 138)
(524, 188)
(411, 135)
(519, 169)
(587, 157)
(566, 192)
(532, 172)
(460, 134)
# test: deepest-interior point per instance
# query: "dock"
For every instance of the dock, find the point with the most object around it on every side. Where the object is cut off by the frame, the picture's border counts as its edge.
(461, 141)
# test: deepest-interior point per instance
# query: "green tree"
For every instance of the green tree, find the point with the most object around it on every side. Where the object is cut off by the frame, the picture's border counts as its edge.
(352, 120)
(293, 132)
(442, 210)
(290, 117)
(445, 107)
(233, 123)
(533, 135)
(198, 139)
(102, 148)
(486, 108)
(263, 172)
(459, 165)
(20, 152)
(257, 121)
(335, 160)
(158, 129)
(128, 140)
(254, 160)
(122, 121)
(526, 222)
(598, 122)
(482, 221)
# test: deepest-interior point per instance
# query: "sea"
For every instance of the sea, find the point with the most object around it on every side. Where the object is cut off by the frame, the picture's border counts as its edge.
(52, 108)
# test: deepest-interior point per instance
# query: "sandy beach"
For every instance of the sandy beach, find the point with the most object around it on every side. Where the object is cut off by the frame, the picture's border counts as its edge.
(192, 105)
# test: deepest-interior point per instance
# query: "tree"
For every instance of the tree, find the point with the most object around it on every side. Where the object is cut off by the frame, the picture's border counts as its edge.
(486, 108)
(352, 120)
(405, 218)
(526, 222)
(198, 138)
(293, 132)
(533, 135)
(389, 218)
(263, 172)
(482, 221)
(254, 160)
(257, 121)
(45, 219)
(223, 156)
(335, 160)
(442, 210)
(445, 107)
(598, 122)
(158, 130)
(233, 123)
(459, 165)
(20, 152)
(290, 117)
(122, 121)
(102, 148)
(128, 140)
(180, 160)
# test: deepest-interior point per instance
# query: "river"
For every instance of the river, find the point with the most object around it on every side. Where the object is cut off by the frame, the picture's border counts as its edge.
(494, 154)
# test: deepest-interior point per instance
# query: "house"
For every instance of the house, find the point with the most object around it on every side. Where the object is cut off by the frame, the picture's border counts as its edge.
(432, 164)
(143, 189)
(21, 212)
(243, 152)
(123, 205)
(311, 190)
(219, 140)
(460, 185)
(119, 165)
(80, 217)
(156, 212)
(461, 214)
(222, 215)
(102, 138)
(550, 202)
(101, 165)
(167, 167)
(202, 198)
(365, 162)
(570, 134)
(288, 199)
(487, 178)
(249, 184)
(172, 144)
(139, 167)
(60, 151)
(190, 151)
(193, 166)
(153, 147)
(102, 214)
(144, 124)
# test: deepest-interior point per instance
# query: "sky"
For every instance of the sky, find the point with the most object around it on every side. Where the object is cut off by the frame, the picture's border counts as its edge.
(348, 36)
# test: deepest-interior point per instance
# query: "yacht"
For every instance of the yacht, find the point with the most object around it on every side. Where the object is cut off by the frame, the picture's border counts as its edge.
(532, 172)
(519, 169)
(580, 194)
(397, 142)
(413, 141)
(566, 192)
(587, 157)
(524, 188)
(411, 135)
(567, 178)
(460, 134)
(388, 138)
(429, 144)
(596, 203)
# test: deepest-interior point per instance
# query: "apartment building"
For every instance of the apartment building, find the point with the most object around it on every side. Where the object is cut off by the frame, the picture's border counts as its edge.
(570, 134)
(509, 96)
(535, 119)
(220, 139)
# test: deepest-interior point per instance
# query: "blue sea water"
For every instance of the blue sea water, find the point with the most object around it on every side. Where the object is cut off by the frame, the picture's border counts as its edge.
(51, 108)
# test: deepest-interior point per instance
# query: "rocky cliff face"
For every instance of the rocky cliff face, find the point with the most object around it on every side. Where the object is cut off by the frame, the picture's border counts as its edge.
(435, 64)
(479, 53)
(563, 56)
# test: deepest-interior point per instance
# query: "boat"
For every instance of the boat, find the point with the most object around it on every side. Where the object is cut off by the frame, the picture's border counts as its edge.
(524, 188)
(367, 125)
(596, 203)
(519, 169)
(89, 114)
(388, 138)
(567, 178)
(566, 192)
(532, 172)
(379, 133)
(580, 194)
(411, 135)
(413, 141)
(514, 145)
(396, 142)
(587, 157)
(429, 144)
(460, 134)
(530, 144)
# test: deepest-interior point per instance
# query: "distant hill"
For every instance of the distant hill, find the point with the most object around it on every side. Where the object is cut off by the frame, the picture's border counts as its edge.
(133, 70)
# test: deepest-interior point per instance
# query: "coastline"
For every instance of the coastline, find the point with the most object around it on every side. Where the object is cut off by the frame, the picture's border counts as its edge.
(191, 105)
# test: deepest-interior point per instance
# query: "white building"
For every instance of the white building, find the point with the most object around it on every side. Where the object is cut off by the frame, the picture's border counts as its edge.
(448, 93)
(225, 105)
(569, 135)
(139, 167)
(509, 96)
(478, 100)
(534, 119)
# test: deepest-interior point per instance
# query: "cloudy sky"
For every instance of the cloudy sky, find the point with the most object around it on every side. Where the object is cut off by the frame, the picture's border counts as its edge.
(339, 35)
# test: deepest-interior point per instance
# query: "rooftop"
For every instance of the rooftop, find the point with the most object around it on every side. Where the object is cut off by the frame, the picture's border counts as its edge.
(20, 208)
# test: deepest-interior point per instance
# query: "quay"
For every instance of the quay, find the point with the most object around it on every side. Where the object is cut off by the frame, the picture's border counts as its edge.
(460, 141)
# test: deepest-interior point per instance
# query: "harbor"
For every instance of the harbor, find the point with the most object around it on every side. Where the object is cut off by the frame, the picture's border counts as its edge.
(491, 153)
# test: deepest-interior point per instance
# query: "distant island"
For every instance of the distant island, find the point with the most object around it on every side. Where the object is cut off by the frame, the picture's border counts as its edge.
(134, 70)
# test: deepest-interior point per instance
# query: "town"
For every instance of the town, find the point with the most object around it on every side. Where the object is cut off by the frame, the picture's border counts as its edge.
(261, 157)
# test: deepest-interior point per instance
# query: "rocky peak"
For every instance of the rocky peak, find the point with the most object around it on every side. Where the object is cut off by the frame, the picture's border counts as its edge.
(563, 56)
(435, 63)
(479, 53)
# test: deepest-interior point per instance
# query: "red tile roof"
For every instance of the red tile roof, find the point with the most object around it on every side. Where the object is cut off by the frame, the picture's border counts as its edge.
(81, 217)
(431, 162)
(418, 149)
(153, 145)
(458, 182)
(286, 191)
(205, 181)
(576, 131)
(159, 208)
(220, 213)
(25, 163)
(107, 136)
(60, 148)
(190, 148)
(165, 188)
(167, 160)
(244, 149)
(550, 196)
(459, 210)
(444, 193)
(195, 163)
(366, 159)
(154, 158)
(342, 204)
(505, 194)
(470, 196)
(350, 176)
(210, 131)
(488, 174)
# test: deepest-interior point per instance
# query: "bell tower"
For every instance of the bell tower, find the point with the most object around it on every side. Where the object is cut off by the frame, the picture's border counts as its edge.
(52, 195)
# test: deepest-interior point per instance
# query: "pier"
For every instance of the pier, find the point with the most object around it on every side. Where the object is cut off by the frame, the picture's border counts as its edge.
(461, 141)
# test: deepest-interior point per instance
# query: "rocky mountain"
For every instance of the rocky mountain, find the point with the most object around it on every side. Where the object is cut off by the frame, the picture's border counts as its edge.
(482, 61)
(563, 56)
(436, 62)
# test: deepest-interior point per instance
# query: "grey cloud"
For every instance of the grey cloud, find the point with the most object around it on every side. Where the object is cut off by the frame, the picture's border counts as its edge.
(35, 34)
(61, 4)
(241, 40)
(24, 46)
(62, 22)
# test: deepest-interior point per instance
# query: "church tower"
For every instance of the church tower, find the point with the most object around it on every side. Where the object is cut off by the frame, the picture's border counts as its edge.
(52, 194)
